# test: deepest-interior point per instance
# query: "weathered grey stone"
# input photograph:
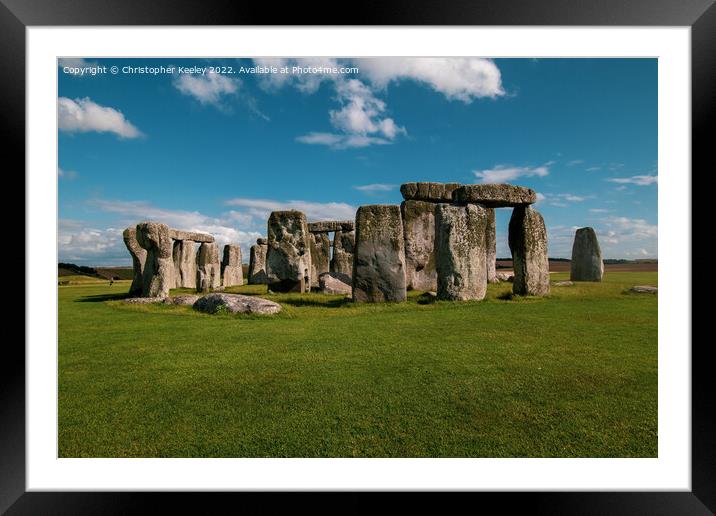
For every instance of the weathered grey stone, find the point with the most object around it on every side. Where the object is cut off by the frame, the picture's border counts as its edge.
(495, 195)
(328, 226)
(504, 276)
(184, 257)
(158, 274)
(379, 258)
(335, 283)
(257, 264)
(563, 283)
(139, 257)
(143, 300)
(644, 289)
(190, 235)
(236, 303)
(419, 234)
(288, 260)
(320, 246)
(208, 267)
(181, 300)
(587, 264)
(262, 241)
(460, 252)
(528, 244)
(343, 246)
(431, 192)
(231, 273)
(491, 246)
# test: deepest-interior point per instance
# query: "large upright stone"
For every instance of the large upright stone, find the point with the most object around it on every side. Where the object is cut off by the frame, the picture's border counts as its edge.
(528, 244)
(320, 255)
(460, 252)
(184, 263)
(158, 274)
(139, 257)
(342, 259)
(419, 234)
(430, 192)
(257, 262)
(379, 258)
(587, 264)
(491, 246)
(495, 195)
(288, 260)
(208, 267)
(231, 273)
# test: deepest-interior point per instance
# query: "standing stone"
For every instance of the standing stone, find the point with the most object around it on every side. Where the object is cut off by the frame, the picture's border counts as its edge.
(528, 244)
(342, 259)
(460, 252)
(139, 256)
(587, 264)
(185, 263)
(288, 259)
(379, 259)
(320, 255)
(491, 247)
(419, 234)
(158, 274)
(257, 263)
(231, 273)
(208, 268)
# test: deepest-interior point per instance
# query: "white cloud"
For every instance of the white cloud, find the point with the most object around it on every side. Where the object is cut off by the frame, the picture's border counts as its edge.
(84, 115)
(635, 180)
(458, 78)
(599, 210)
(592, 169)
(66, 174)
(575, 162)
(375, 187)
(75, 62)
(262, 208)
(207, 89)
(318, 71)
(505, 173)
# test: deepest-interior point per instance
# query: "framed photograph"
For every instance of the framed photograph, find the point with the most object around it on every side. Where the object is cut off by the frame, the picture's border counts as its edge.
(420, 252)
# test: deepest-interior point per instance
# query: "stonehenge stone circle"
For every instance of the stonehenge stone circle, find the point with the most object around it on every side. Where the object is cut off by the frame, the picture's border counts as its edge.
(231, 273)
(329, 226)
(460, 252)
(257, 263)
(587, 264)
(158, 274)
(343, 246)
(288, 259)
(495, 195)
(528, 244)
(419, 233)
(379, 257)
(491, 246)
(208, 275)
(139, 256)
(184, 256)
(430, 192)
(320, 246)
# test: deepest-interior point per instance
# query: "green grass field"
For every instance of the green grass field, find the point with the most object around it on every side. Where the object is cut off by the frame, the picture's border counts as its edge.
(572, 375)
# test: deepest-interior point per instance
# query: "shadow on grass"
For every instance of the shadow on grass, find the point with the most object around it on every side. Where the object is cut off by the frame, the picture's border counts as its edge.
(328, 303)
(99, 298)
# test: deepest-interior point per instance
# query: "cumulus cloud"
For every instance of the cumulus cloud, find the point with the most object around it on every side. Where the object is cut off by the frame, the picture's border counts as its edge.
(83, 115)
(505, 173)
(210, 88)
(262, 208)
(458, 78)
(635, 180)
(375, 187)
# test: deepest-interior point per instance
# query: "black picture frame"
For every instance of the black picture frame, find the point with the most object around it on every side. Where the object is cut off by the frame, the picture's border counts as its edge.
(17, 15)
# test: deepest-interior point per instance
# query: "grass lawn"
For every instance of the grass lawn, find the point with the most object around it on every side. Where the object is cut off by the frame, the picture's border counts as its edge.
(572, 375)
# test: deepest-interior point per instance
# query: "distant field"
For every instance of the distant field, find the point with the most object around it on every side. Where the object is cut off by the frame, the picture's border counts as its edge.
(560, 266)
(572, 375)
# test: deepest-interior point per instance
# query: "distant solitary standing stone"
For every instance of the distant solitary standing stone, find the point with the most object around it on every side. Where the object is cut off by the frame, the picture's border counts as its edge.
(587, 264)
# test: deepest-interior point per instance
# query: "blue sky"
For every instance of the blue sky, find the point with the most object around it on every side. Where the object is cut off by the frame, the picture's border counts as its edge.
(217, 152)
